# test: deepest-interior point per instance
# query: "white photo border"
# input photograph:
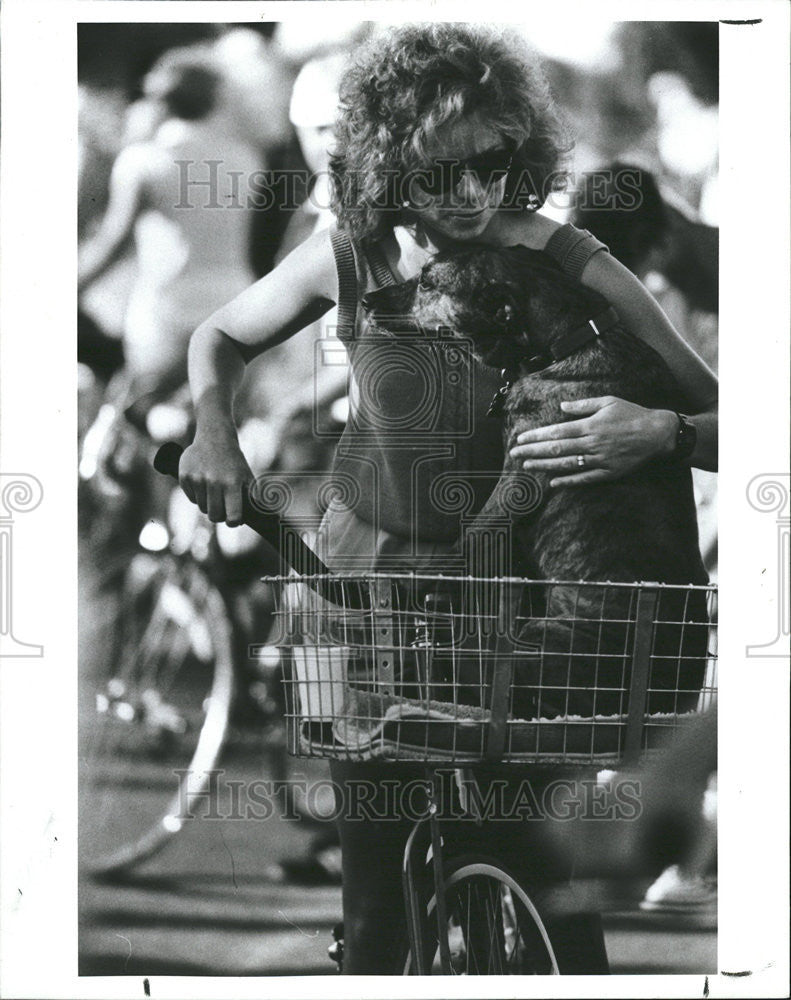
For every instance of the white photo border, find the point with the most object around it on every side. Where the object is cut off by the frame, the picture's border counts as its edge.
(38, 695)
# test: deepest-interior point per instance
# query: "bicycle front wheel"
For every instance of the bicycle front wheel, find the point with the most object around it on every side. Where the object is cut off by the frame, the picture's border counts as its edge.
(492, 929)
(155, 727)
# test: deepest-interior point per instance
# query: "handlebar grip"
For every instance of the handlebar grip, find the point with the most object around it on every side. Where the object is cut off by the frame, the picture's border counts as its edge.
(167, 458)
(300, 558)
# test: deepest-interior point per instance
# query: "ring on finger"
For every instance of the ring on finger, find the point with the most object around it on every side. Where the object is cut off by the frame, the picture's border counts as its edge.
(581, 461)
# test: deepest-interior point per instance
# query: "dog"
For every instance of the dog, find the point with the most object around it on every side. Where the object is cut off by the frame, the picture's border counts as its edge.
(519, 311)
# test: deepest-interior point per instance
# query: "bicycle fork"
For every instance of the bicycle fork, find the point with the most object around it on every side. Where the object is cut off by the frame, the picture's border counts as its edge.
(427, 834)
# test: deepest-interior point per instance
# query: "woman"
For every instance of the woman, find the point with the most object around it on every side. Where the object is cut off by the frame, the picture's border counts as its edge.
(441, 128)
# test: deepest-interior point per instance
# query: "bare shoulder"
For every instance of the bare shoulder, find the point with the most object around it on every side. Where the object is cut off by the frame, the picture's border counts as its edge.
(147, 169)
(135, 162)
(312, 263)
(531, 229)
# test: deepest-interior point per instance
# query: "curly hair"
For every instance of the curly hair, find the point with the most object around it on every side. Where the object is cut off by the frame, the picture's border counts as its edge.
(404, 86)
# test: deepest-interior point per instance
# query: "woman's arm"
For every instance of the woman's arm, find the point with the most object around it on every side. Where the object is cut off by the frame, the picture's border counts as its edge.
(615, 436)
(127, 185)
(213, 472)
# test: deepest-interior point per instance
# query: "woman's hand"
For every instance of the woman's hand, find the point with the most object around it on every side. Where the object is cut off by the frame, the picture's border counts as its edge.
(215, 475)
(609, 439)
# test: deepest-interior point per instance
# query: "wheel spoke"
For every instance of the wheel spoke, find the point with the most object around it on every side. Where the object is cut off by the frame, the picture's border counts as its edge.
(169, 712)
(493, 926)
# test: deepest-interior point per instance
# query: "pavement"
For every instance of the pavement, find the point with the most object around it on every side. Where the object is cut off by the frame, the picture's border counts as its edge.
(213, 903)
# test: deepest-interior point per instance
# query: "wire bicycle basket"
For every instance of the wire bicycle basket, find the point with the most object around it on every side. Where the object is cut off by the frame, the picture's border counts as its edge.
(435, 668)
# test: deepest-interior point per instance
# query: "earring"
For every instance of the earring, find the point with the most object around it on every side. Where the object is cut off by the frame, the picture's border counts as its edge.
(406, 203)
(533, 203)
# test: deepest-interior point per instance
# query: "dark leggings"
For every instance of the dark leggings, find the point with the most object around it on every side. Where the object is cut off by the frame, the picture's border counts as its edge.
(374, 825)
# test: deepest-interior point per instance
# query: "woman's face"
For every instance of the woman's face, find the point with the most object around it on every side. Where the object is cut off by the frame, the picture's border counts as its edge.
(459, 204)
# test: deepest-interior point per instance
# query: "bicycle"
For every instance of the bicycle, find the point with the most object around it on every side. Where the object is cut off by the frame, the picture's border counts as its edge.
(184, 672)
(437, 670)
(168, 679)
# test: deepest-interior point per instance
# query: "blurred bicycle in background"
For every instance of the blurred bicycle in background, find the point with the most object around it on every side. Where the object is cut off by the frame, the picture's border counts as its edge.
(185, 665)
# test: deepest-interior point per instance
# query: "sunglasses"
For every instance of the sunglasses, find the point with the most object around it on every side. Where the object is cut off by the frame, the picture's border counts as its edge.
(444, 176)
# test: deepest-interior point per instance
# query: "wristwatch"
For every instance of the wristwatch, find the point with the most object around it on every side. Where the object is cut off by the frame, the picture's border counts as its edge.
(686, 438)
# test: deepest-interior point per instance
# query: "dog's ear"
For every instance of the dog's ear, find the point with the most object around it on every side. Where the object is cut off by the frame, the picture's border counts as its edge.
(392, 305)
(391, 299)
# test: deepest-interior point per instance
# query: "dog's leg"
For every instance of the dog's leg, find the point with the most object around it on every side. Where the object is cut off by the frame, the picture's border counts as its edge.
(495, 543)
(584, 639)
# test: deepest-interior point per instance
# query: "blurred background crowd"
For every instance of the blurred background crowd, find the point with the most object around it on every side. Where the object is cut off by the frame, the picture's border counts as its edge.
(246, 111)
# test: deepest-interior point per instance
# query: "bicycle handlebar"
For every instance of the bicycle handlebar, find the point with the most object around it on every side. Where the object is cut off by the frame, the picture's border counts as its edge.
(300, 558)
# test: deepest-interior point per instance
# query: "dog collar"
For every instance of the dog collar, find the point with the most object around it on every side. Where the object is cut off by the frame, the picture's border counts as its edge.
(581, 335)
(572, 341)
(562, 348)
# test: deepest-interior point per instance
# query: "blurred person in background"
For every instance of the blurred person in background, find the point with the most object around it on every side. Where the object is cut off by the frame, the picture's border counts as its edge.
(312, 111)
(257, 84)
(258, 81)
(328, 30)
(100, 316)
(643, 93)
(660, 238)
(180, 192)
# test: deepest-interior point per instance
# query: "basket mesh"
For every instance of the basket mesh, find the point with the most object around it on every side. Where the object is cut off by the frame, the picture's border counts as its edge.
(435, 669)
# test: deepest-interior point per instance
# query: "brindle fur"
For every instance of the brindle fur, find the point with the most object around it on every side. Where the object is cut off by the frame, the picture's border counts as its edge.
(512, 304)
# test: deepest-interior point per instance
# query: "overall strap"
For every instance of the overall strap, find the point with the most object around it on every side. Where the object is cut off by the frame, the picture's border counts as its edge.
(347, 282)
(572, 248)
(380, 269)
